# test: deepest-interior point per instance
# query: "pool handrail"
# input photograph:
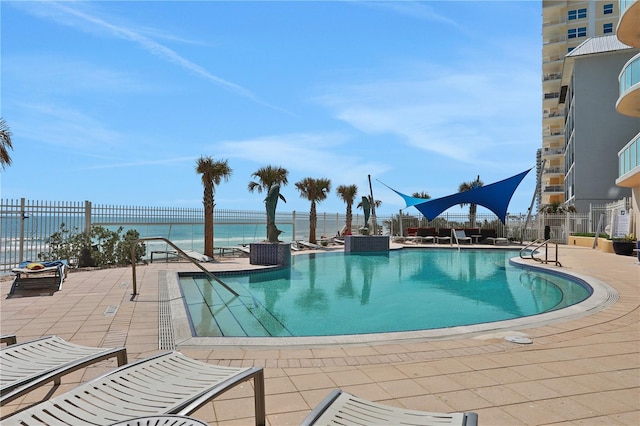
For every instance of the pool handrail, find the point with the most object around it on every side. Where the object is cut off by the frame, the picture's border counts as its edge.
(540, 242)
(180, 253)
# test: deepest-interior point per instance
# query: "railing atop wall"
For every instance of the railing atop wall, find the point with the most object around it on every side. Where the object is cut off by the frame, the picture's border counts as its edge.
(26, 225)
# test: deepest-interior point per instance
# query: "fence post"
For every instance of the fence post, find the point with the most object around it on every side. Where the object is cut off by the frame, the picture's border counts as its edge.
(22, 218)
(87, 217)
(293, 217)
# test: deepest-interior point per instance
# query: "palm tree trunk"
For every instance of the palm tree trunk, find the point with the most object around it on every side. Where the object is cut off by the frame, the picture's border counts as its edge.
(313, 220)
(208, 222)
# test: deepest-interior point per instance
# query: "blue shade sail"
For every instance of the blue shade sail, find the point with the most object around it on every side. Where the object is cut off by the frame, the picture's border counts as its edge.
(495, 197)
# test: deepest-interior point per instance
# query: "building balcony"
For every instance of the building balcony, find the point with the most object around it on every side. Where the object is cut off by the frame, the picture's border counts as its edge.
(553, 189)
(553, 115)
(552, 152)
(629, 100)
(629, 164)
(628, 30)
(554, 39)
(547, 4)
(554, 76)
(552, 133)
(554, 20)
(554, 170)
(552, 58)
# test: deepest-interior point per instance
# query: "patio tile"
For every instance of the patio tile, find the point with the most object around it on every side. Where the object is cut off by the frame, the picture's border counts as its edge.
(578, 372)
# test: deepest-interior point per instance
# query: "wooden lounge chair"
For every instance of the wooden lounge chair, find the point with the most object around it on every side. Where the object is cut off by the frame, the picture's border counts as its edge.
(345, 409)
(28, 365)
(168, 383)
(39, 275)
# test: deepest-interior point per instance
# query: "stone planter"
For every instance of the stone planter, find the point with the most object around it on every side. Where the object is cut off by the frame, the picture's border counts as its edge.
(270, 254)
(624, 248)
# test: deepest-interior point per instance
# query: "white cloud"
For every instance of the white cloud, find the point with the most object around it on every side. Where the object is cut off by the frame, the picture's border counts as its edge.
(88, 22)
(455, 112)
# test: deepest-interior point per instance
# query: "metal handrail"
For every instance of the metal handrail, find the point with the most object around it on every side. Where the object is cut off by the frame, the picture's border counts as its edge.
(541, 242)
(180, 253)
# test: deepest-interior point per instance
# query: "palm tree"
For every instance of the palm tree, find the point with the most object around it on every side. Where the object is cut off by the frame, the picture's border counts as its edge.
(212, 173)
(5, 144)
(421, 194)
(348, 194)
(314, 190)
(466, 186)
(267, 178)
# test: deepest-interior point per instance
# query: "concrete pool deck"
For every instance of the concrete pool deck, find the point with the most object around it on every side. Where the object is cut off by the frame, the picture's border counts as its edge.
(584, 370)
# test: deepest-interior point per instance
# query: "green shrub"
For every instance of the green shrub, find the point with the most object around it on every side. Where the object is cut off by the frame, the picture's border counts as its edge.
(101, 247)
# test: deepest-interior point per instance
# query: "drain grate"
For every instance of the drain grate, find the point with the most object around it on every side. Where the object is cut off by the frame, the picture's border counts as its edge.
(166, 339)
(110, 311)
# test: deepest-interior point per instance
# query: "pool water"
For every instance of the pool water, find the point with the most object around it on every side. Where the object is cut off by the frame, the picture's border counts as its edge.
(405, 290)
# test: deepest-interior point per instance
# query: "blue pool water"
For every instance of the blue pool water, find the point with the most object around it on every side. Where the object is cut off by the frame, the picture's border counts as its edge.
(405, 290)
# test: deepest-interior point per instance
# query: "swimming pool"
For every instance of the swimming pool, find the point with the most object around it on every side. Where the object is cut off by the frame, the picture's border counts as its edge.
(329, 294)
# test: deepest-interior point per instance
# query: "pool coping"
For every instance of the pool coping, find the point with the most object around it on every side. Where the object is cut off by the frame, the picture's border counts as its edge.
(175, 330)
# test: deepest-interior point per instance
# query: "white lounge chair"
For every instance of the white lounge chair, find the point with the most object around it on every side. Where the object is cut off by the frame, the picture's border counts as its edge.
(342, 408)
(168, 383)
(28, 365)
(461, 236)
(166, 420)
(311, 246)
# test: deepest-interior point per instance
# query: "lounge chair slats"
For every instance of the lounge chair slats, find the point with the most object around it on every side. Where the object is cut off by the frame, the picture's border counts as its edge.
(169, 383)
(28, 365)
(162, 421)
(342, 408)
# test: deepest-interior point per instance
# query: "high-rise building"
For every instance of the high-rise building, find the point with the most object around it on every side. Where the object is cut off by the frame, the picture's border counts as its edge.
(628, 103)
(565, 25)
(594, 131)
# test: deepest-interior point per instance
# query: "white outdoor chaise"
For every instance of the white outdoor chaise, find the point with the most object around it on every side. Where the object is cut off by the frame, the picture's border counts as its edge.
(168, 383)
(461, 236)
(342, 408)
(28, 365)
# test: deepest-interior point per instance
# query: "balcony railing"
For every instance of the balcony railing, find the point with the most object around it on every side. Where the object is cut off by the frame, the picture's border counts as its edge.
(629, 156)
(553, 114)
(553, 151)
(555, 39)
(554, 170)
(554, 76)
(552, 58)
(629, 99)
(554, 188)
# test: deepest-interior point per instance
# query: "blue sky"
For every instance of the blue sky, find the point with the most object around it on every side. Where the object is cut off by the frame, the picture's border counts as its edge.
(113, 101)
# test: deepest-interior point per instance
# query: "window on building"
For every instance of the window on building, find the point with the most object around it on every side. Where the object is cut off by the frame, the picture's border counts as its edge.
(577, 32)
(607, 28)
(577, 14)
(569, 50)
(608, 8)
